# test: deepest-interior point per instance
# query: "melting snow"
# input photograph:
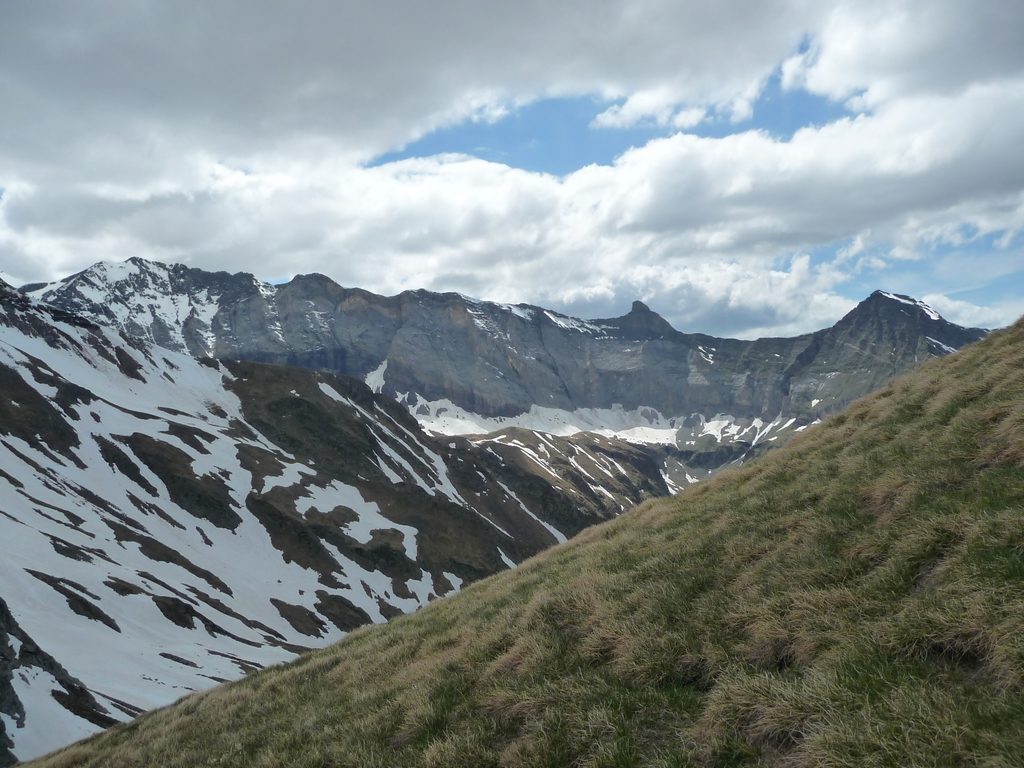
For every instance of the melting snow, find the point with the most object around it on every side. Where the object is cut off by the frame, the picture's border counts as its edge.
(375, 378)
(913, 303)
(244, 570)
(639, 425)
(32, 686)
(506, 559)
(524, 312)
(574, 324)
(559, 536)
(369, 518)
(944, 347)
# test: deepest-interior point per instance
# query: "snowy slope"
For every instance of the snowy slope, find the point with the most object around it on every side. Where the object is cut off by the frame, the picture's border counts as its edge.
(465, 367)
(168, 523)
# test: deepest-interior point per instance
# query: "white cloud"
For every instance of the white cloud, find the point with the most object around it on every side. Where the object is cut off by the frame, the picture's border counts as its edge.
(876, 51)
(689, 118)
(965, 313)
(237, 140)
(658, 107)
(653, 106)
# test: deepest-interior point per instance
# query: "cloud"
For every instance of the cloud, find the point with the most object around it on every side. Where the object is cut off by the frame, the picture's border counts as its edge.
(689, 118)
(654, 106)
(239, 140)
(240, 78)
(873, 51)
(974, 316)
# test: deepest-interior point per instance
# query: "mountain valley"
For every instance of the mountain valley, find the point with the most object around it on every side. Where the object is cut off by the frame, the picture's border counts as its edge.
(852, 598)
(171, 522)
(204, 475)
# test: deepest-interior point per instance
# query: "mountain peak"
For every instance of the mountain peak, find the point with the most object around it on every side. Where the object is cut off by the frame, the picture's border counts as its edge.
(642, 321)
(899, 298)
(102, 274)
(890, 321)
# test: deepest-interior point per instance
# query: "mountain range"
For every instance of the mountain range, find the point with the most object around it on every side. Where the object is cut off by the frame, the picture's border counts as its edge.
(854, 598)
(463, 366)
(204, 474)
(169, 522)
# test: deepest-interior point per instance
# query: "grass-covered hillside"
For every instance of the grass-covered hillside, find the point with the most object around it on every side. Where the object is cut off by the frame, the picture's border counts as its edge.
(855, 598)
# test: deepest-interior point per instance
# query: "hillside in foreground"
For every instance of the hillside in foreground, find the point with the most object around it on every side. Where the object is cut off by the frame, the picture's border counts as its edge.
(854, 598)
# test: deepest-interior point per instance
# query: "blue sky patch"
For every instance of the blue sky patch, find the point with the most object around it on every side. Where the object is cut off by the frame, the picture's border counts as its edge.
(548, 136)
(556, 136)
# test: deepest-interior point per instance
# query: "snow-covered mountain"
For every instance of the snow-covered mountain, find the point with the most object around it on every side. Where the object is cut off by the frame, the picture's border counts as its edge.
(169, 522)
(467, 367)
(191, 490)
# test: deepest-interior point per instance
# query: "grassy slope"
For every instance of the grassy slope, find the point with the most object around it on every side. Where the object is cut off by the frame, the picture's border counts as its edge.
(855, 598)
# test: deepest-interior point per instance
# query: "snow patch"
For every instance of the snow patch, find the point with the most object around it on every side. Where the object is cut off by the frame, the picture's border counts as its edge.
(32, 686)
(522, 312)
(944, 347)
(506, 559)
(375, 378)
(369, 517)
(913, 303)
(575, 324)
(559, 536)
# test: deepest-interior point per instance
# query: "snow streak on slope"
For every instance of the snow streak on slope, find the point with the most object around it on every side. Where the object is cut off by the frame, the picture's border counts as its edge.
(926, 308)
(640, 425)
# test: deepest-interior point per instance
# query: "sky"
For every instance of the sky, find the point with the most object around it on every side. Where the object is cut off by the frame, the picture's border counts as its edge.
(744, 168)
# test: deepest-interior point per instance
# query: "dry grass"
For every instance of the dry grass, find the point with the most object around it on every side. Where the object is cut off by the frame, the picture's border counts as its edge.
(855, 598)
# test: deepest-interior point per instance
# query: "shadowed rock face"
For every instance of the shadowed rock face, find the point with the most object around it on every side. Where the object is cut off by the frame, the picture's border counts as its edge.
(501, 360)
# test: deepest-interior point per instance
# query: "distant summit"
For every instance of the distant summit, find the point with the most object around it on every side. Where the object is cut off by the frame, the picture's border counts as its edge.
(908, 301)
(644, 322)
(892, 318)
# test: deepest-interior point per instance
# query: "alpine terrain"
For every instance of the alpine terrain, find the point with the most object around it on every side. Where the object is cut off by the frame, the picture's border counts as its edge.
(467, 367)
(171, 522)
(855, 597)
(203, 475)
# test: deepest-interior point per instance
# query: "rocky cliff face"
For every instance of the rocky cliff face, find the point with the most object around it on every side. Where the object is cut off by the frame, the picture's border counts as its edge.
(168, 522)
(467, 367)
(502, 361)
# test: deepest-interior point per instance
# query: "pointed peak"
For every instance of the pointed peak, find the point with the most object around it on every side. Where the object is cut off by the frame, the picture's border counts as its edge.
(642, 321)
(899, 298)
